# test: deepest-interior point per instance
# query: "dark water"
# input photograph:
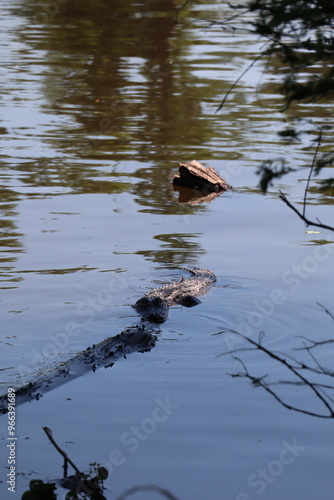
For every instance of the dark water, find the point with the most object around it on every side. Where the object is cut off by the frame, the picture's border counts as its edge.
(100, 102)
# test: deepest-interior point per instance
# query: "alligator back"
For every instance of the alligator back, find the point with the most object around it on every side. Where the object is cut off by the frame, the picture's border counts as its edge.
(154, 305)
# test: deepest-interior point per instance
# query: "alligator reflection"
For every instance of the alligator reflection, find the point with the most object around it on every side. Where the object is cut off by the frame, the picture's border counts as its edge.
(133, 339)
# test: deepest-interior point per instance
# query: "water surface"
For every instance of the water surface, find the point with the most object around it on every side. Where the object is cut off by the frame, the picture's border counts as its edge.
(99, 105)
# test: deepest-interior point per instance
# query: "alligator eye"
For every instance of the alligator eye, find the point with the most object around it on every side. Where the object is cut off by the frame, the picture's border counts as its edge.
(158, 302)
(189, 301)
(142, 304)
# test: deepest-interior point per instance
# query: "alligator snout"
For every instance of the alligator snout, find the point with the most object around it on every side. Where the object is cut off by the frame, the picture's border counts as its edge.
(153, 309)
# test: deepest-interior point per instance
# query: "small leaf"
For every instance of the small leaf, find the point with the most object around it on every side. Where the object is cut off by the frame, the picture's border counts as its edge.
(102, 473)
(71, 495)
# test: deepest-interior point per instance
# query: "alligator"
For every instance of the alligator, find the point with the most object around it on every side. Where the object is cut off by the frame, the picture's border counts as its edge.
(154, 305)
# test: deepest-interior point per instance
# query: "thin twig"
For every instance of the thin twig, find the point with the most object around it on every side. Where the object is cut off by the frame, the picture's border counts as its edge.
(48, 432)
(293, 369)
(326, 311)
(294, 382)
(282, 196)
(223, 23)
(311, 171)
(179, 10)
(265, 386)
(313, 343)
(308, 222)
(237, 81)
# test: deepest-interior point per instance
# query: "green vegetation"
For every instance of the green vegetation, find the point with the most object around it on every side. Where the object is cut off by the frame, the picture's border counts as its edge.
(81, 485)
(300, 35)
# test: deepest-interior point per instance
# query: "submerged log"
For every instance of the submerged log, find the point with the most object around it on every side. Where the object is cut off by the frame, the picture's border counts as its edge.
(195, 176)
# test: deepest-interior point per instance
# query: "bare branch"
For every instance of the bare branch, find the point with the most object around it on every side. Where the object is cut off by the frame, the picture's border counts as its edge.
(308, 222)
(179, 10)
(295, 367)
(48, 432)
(238, 80)
(326, 311)
(311, 171)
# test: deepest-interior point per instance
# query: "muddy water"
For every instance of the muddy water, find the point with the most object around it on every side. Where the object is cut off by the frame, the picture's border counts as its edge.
(99, 103)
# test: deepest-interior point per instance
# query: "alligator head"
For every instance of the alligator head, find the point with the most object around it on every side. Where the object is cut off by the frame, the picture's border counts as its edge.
(153, 309)
(156, 309)
(154, 306)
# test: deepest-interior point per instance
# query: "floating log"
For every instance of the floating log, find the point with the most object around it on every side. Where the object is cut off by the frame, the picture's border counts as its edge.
(195, 176)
